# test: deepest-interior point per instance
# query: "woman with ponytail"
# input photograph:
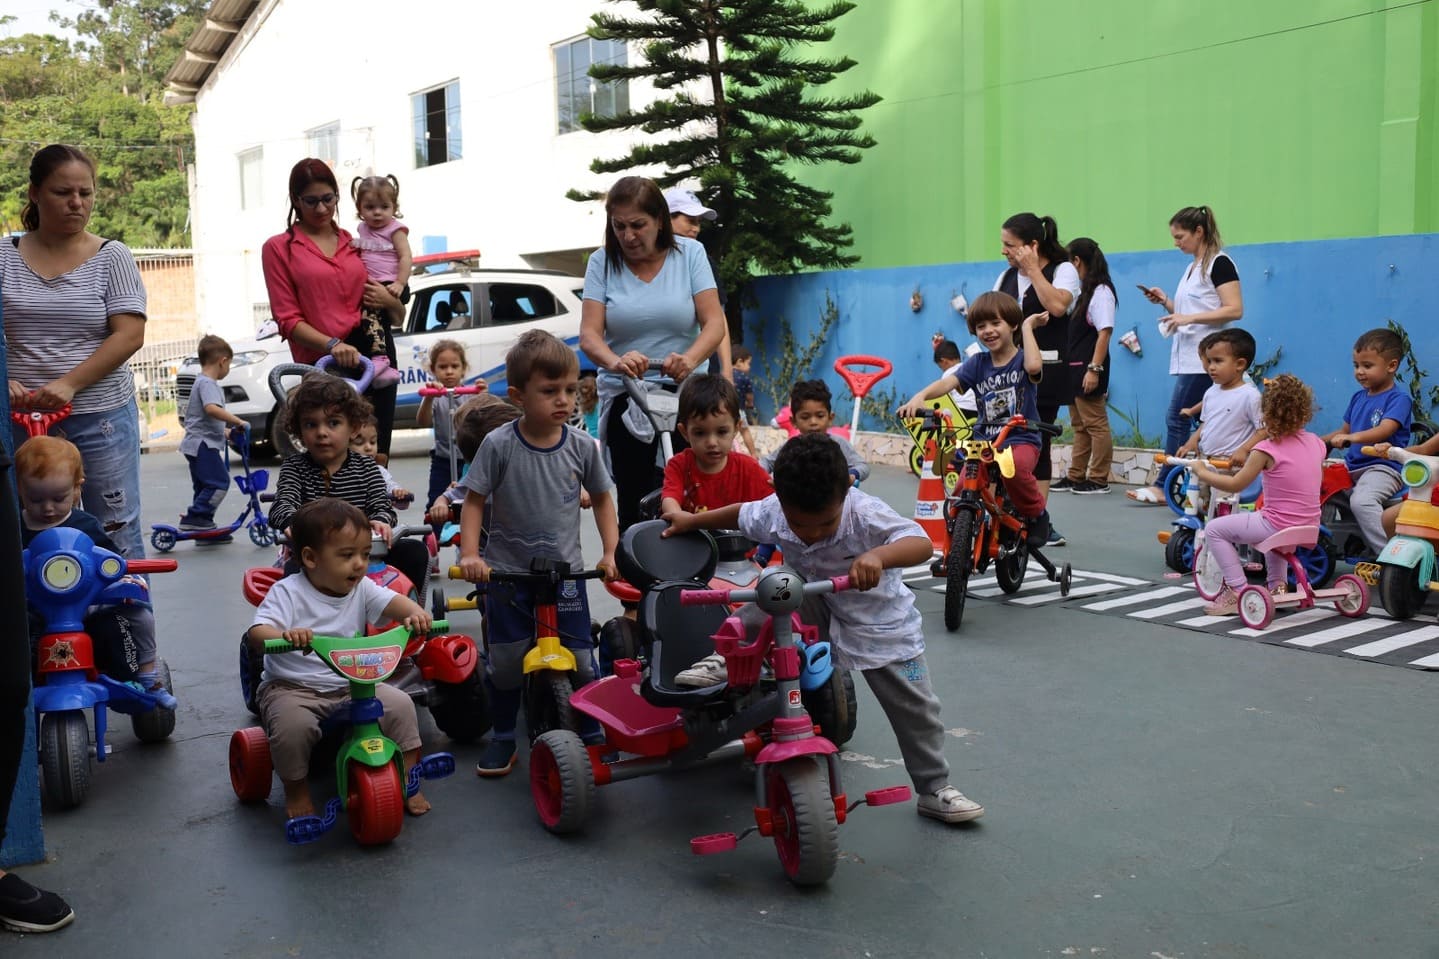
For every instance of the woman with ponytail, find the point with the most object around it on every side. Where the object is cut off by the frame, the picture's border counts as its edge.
(1043, 280)
(1208, 298)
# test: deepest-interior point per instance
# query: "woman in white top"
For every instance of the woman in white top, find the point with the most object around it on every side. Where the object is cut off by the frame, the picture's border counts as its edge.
(74, 312)
(1087, 359)
(1208, 298)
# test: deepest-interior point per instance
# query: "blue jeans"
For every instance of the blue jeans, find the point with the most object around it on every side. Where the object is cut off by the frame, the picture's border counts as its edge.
(109, 443)
(1188, 389)
(211, 479)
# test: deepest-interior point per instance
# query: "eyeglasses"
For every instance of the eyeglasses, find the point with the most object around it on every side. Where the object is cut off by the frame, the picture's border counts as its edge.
(324, 199)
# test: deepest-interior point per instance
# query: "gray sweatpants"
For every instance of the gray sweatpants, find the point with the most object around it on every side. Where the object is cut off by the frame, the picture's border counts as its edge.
(904, 693)
(1373, 487)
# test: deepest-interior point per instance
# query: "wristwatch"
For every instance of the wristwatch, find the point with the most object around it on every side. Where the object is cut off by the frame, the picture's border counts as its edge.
(1094, 369)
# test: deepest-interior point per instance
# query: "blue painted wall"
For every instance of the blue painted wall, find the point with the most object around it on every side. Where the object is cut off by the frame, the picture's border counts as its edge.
(1312, 299)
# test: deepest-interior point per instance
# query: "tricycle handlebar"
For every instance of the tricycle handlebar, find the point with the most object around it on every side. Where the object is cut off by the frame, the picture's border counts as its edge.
(451, 390)
(281, 646)
(533, 576)
(151, 566)
(718, 597)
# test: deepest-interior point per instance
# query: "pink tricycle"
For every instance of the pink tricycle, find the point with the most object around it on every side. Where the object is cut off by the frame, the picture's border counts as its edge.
(652, 725)
(1257, 604)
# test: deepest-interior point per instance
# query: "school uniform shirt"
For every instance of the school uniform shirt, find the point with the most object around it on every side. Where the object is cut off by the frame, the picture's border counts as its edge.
(294, 603)
(1198, 292)
(869, 628)
(1229, 418)
(741, 481)
(202, 429)
(1366, 412)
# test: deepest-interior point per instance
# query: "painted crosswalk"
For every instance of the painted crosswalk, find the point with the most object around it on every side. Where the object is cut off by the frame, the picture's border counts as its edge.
(1375, 636)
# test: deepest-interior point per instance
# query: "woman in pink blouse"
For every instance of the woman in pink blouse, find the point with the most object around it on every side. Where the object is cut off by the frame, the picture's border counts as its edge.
(318, 284)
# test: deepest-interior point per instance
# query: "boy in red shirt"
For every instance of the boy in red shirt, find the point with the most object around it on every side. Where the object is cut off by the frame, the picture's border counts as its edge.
(710, 474)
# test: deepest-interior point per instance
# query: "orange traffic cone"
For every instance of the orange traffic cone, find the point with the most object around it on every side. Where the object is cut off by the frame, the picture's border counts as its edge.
(929, 502)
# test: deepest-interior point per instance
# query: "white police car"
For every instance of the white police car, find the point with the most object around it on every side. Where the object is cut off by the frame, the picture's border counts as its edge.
(486, 310)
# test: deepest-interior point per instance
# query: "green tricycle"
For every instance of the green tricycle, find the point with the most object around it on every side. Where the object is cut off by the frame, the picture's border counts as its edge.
(369, 768)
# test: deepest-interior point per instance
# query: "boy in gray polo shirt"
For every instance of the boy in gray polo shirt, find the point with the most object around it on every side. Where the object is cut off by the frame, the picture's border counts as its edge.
(529, 474)
(826, 528)
(204, 442)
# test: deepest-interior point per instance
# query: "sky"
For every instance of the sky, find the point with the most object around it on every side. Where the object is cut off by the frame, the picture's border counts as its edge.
(33, 16)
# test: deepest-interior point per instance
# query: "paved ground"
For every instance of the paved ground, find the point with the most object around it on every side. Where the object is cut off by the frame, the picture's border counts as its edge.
(1152, 791)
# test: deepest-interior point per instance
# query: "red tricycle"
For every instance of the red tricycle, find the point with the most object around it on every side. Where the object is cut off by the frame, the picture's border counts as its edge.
(651, 725)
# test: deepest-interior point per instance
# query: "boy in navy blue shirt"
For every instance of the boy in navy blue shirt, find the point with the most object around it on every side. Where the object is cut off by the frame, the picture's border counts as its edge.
(1378, 413)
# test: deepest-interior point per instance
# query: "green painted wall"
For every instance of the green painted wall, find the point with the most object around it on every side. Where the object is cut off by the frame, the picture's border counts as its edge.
(1293, 119)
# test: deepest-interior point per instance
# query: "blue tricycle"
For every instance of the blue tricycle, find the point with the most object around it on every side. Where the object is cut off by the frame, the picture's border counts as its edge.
(66, 574)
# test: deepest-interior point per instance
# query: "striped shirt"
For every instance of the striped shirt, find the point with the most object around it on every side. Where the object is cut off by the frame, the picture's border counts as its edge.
(52, 326)
(357, 481)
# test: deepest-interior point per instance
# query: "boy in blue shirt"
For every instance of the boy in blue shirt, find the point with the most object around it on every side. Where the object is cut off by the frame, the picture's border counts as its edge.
(530, 474)
(1378, 413)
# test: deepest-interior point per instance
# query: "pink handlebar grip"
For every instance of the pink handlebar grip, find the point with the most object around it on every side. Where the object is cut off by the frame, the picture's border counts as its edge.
(841, 583)
(458, 390)
(704, 597)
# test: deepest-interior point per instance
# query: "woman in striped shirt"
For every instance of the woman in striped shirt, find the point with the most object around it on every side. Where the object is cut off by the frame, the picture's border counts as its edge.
(74, 313)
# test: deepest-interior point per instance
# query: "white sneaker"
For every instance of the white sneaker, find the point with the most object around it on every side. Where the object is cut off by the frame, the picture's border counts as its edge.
(709, 671)
(949, 805)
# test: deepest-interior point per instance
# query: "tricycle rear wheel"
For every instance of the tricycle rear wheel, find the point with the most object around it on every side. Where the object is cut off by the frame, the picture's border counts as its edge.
(461, 710)
(562, 782)
(252, 773)
(806, 834)
(834, 707)
(1400, 591)
(156, 725)
(65, 757)
(376, 805)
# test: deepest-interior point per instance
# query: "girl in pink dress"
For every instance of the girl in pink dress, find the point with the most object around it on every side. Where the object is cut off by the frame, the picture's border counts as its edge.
(1291, 460)
(384, 245)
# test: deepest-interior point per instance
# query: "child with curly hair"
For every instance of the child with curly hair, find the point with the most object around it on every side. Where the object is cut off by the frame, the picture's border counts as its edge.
(1290, 460)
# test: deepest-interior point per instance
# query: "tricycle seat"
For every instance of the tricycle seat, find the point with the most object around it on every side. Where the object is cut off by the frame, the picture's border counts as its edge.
(646, 557)
(1286, 541)
(679, 636)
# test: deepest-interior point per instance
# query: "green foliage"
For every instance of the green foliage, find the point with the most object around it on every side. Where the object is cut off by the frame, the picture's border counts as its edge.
(1425, 398)
(740, 116)
(104, 94)
(880, 406)
(1132, 436)
(794, 361)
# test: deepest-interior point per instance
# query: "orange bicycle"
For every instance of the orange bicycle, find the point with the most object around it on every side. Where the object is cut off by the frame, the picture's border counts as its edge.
(980, 523)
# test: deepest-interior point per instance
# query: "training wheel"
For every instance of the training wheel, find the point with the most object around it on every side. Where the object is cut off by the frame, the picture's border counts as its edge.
(1256, 607)
(888, 796)
(1066, 576)
(713, 843)
(1353, 598)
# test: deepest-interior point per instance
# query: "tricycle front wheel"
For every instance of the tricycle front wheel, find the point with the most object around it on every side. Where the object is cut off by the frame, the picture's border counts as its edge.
(251, 771)
(547, 702)
(562, 782)
(376, 806)
(65, 757)
(806, 834)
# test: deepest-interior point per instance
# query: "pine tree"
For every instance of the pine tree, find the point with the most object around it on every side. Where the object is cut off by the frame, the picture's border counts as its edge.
(741, 117)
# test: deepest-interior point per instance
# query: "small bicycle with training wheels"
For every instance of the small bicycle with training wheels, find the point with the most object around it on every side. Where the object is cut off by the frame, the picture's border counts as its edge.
(980, 522)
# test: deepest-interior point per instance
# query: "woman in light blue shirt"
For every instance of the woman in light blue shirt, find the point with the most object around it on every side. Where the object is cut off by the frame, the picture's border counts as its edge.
(648, 294)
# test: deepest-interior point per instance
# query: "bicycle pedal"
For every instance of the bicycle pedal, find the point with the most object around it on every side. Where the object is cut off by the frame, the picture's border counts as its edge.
(936, 569)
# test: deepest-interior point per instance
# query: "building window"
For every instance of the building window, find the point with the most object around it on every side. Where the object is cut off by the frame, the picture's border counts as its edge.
(576, 94)
(437, 125)
(251, 193)
(324, 143)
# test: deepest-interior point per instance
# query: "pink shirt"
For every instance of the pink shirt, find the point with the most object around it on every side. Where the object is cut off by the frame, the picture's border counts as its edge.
(1291, 485)
(305, 284)
(377, 249)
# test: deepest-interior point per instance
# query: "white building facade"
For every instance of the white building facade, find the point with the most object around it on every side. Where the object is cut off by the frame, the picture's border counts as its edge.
(471, 105)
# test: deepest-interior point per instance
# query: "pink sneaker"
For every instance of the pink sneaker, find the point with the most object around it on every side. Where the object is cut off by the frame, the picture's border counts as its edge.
(385, 374)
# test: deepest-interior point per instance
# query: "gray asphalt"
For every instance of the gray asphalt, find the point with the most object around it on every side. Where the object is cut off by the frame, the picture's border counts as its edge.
(1151, 792)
